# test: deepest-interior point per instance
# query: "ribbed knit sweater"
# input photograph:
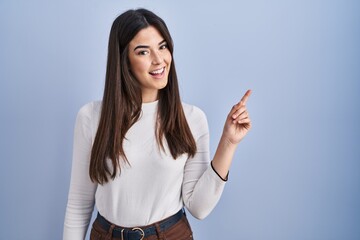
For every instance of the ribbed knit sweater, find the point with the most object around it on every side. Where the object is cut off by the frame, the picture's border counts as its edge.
(153, 187)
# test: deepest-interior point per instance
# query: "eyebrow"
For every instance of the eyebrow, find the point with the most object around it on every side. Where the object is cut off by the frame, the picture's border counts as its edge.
(145, 46)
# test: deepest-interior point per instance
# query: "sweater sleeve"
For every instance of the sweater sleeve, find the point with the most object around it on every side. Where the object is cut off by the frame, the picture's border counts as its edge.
(82, 190)
(202, 187)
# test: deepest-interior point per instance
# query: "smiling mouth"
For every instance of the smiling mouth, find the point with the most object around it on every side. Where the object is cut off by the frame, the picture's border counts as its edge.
(158, 72)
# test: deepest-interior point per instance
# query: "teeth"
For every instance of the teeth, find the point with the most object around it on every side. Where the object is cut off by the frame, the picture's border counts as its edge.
(158, 71)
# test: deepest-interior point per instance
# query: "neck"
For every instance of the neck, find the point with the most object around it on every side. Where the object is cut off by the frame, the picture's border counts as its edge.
(149, 97)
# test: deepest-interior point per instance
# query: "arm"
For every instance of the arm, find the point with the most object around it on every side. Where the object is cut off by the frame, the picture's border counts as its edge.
(237, 125)
(202, 187)
(203, 184)
(81, 197)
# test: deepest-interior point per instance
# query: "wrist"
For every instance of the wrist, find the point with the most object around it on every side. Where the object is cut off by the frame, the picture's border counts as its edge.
(226, 142)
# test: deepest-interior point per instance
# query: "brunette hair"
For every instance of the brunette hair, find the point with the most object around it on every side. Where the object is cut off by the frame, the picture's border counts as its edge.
(121, 105)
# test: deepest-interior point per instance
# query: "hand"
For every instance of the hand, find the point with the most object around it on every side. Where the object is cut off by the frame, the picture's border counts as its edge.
(237, 123)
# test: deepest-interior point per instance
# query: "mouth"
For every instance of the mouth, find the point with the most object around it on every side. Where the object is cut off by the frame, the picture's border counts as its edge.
(157, 72)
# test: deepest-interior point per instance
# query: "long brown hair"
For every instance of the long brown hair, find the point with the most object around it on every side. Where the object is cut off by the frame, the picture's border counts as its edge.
(121, 105)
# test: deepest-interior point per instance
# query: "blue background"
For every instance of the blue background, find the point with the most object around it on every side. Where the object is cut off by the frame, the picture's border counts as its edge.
(295, 176)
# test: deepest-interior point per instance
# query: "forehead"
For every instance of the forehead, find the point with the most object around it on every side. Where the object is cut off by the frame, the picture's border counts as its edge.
(147, 36)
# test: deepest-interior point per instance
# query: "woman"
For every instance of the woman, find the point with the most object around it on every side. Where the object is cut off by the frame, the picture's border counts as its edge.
(141, 154)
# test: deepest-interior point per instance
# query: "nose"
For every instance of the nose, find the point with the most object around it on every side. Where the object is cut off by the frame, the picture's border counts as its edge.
(157, 58)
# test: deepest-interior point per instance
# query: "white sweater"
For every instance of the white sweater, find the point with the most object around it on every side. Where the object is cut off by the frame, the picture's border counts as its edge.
(153, 187)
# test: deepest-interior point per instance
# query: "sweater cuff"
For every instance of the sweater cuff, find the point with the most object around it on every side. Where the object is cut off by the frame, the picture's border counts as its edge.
(227, 175)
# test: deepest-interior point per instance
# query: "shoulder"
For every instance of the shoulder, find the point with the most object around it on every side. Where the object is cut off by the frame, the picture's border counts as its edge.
(195, 117)
(89, 114)
(87, 119)
(90, 110)
(193, 112)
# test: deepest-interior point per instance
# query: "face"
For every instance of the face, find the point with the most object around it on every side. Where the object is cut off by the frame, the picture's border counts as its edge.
(150, 61)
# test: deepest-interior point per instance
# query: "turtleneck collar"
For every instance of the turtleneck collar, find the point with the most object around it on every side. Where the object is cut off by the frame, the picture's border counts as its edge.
(149, 107)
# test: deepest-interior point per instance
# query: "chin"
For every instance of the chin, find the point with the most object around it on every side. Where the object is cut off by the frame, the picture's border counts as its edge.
(163, 86)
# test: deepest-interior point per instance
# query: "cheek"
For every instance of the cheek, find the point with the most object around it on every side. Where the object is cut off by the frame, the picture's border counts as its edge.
(168, 58)
(138, 67)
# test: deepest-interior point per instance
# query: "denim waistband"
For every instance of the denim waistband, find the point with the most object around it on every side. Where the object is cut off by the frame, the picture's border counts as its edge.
(138, 233)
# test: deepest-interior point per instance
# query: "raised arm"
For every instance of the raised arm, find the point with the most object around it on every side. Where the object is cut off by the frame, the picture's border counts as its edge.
(237, 125)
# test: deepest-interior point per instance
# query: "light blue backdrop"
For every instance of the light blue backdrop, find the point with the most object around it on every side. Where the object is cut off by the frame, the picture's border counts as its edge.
(295, 176)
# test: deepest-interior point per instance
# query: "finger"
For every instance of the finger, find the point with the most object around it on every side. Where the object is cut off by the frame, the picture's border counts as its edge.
(247, 126)
(245, 97)
(242, 116)
(241, 103)
(244, 121)
(239, 111)
(234, 109)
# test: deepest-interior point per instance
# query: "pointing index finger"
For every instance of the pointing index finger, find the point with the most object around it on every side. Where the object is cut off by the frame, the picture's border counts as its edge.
(245, 97)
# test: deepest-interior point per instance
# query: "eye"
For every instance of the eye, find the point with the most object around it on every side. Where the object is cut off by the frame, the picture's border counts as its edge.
(143, 53)
(165, 46)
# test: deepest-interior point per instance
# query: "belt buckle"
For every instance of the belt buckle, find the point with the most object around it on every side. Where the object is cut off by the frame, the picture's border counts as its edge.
(141, 231)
